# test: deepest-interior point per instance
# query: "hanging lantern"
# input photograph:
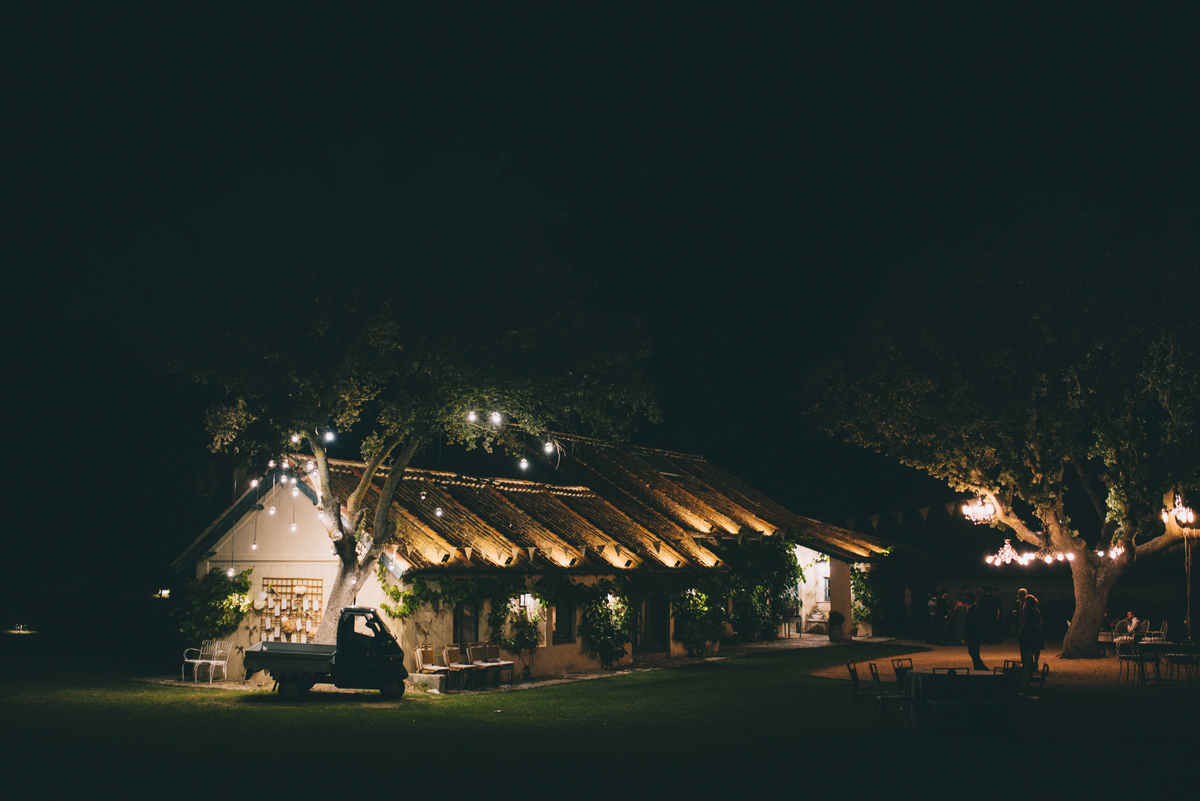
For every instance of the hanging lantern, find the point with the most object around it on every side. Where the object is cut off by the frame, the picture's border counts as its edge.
(329, 436)
(229, 572)
(253, 483)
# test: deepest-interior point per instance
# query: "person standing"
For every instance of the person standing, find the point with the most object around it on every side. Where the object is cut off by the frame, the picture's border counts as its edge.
(973, 628)
(931, 604)
(943, 618)
(1030, 636)
(989, 611)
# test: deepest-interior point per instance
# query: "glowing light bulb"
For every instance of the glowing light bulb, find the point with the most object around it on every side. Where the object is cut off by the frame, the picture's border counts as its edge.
(254, 546)
(1070, 557)
(295, 491)
(229, 572)
(272, 511)
(1049, 558)
(354, 579)
(253, 483)
(294, 526)
(548, 447)
(1059, 557)
(1100, 554)
(524, 463)
(271, 463)
(438, 511)
(311, 466)
(472, 417)
(496, 418)
(1166, 515)
(295, 438)
(329, 436)
(422, 494)
(989, 559)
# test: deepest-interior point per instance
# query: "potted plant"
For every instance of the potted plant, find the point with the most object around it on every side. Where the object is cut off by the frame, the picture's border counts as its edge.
(836, 620)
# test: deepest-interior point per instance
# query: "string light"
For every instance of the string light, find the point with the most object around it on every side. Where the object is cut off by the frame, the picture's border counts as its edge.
(329, 436)
(548, 447)
(272, 510)
(295, 438)
(496, 418)
(438, 511)
(271, 464)
(472, 417)
(524, 463)
(294, 527)
(229, 572)
(253, 483)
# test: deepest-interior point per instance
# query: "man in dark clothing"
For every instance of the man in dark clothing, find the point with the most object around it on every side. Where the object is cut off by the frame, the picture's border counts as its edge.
(973, 632)
(931, 620)
(943, 618)
(989, 610)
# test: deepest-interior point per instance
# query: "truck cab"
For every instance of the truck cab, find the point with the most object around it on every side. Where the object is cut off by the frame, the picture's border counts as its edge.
(368, 656)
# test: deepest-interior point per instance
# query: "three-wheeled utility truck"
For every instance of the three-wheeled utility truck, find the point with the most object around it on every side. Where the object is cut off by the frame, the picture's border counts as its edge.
(366, 656)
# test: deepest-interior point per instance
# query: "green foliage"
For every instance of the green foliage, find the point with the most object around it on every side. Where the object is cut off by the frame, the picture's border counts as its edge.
(763, 579)
(868, 604)
(699, 620)
(836, 618)
(607, 624)
(1053, 361)
(214, 605)
(524, 637)
(326, 301)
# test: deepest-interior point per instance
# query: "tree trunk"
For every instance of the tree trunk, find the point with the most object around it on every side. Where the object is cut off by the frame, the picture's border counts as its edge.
(1092, 585)
(341, 595)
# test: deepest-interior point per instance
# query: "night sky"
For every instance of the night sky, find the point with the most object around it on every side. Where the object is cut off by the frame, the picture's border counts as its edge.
(744, 181)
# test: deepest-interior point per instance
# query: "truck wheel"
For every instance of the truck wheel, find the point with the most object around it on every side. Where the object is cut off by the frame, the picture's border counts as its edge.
(289, 690)
(393, 690)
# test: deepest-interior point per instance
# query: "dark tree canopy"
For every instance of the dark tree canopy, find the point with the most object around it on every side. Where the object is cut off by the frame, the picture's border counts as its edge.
(1065, 361)
(329, 303)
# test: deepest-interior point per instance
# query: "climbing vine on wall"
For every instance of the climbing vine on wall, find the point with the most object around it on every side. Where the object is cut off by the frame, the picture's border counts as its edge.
(213, 606)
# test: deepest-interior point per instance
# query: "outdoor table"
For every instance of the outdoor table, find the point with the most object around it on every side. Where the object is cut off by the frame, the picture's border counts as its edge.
(1161, 648)
(972, 687)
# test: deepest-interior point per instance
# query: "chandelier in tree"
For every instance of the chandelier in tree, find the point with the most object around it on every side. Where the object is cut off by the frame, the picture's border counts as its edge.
(979, 511)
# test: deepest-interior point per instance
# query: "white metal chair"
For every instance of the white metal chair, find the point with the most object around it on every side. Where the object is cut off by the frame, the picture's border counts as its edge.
(212, 653)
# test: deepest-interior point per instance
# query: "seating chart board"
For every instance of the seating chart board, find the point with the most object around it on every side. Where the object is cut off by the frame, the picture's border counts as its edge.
(293, 611)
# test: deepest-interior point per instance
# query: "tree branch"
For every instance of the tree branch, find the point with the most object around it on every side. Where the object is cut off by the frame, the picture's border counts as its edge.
(354, 502)
(1086, 481)
(1006, 516)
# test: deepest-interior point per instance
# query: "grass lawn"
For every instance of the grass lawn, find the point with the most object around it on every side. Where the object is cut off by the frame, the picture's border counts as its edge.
(736, 726)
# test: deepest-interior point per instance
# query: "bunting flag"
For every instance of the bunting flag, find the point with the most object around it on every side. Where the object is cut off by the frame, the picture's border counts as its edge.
(850, 521)
(600, 550)
(874, 522)
(950, 507)
(657, 546)
(899, 516)
(531, 551)
(699, 541)
(924, 511)
(468, 552)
